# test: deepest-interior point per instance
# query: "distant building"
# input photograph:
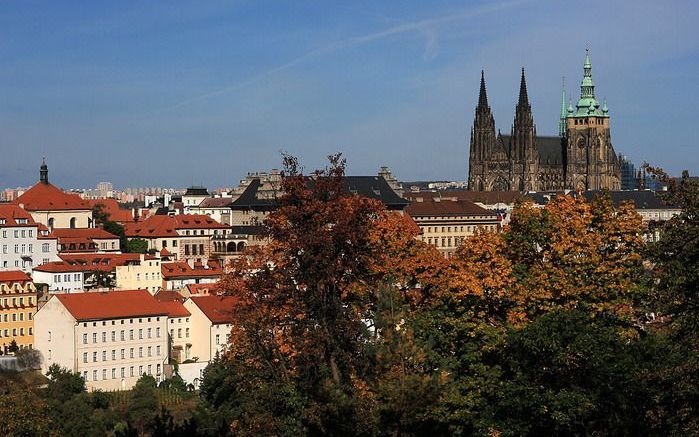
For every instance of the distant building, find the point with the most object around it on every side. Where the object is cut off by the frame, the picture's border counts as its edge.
(580, 158)
(445, 222)
(629, 178)
(54, 208)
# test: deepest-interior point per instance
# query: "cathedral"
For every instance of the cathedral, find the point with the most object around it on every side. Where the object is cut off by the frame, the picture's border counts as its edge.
(580, 158)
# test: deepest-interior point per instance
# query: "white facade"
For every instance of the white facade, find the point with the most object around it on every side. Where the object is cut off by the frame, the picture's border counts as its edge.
(21, 248)
(60, 282)
(110, 354)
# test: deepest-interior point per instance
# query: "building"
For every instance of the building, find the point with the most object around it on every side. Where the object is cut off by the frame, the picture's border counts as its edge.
(18, 301)
(24, 243)
(86, 240)
(211, 323)
(629, 178)
(218, 208)
(580, 158)
(194, 196)
(189, 236)
(142, 274)
(54, 208)
(85, 271)
(445, 222)
(177, 275)
(109, 338)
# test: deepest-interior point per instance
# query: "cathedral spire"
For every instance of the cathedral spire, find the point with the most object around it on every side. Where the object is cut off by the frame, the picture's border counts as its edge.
(44, 172)
(564, 112)
(523, 97)
(482, 96)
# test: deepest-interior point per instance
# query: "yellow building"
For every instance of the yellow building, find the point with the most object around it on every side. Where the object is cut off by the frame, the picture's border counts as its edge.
(17, 309)
(143, 274)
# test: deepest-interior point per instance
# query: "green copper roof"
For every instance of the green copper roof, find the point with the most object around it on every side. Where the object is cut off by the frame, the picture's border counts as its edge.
(564, 112)
(588, 104)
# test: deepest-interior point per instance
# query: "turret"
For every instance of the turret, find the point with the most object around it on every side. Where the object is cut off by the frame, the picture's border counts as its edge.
(44, 172)
(564, 112)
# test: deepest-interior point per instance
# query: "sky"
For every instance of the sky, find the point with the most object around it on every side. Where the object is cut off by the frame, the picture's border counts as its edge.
(174, 93)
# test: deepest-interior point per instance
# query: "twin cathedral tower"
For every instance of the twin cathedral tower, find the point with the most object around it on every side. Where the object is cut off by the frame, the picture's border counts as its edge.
(580, 158)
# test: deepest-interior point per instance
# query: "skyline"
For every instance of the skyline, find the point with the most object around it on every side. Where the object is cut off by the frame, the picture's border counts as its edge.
(206, 93)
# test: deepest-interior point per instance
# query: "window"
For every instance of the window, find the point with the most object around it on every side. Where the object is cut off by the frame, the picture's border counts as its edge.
(104, 337)
(94, 375)
(123, 372)
(94, 337)
(130, 334)
(104, 355)
(157, 332)
(157, 350)
(113, 373)
(157, 371)
(122, 334)
(150, 331)
(218, 339)
(150, 351)
(94, 357)
(187, 332)
(179, 332)
(49, 333)
(140, 334)
(131, 371)
(140, 352)
(85, 375)
(149, 369)
(131, 353)
(85, 357)
(104, 373)
(123, 354)
(113, 354)
(140, 370)
(113, 335)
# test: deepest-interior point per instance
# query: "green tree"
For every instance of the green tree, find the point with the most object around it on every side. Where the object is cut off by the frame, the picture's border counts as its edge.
(23, 412)
(63, 384)
(137, 245)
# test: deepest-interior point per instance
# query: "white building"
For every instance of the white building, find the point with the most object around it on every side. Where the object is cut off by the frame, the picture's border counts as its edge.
(23, 242)
(110, 338)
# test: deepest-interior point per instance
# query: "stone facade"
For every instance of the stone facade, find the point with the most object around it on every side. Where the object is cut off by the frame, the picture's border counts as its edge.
(580, 158)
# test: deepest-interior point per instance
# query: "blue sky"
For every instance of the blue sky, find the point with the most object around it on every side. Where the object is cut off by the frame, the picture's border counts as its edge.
(175, 93)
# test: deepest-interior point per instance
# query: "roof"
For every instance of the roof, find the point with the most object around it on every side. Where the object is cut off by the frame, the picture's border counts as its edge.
(83, 233)
(442, 207)
(216, 202)
(12, 276)
(48, 197)
(641, 199)
(117, 304)
(12, 214)
(167, 225)
(373, 187)
(550, 148)
(201, 289)
(111, 207)
(196, 191)
(484, 197)
(182, 269)
(175, 308)
(218, 309)
(87, 262)
(168, 296)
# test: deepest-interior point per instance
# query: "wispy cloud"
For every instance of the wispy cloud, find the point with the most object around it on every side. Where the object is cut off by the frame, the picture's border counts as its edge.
(427, 27)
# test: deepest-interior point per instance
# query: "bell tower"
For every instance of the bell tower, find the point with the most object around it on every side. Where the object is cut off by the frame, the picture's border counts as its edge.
(592, 163)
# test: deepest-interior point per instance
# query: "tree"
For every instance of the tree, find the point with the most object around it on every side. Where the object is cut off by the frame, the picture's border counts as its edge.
(23, 412)
(29, 359)
(13, 348)
(63, 384)
(137, 245)
(143, 402)
(102, 219)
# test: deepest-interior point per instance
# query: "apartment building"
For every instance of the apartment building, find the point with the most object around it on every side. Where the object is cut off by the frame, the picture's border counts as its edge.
(144, 273)
(109, 338)
(23, 242)
(17, 308)
(177, 275)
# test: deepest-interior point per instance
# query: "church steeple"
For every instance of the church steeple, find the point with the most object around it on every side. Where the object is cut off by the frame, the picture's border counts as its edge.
(483, 95)
(523, 97)
(564, 112)
(44, 172)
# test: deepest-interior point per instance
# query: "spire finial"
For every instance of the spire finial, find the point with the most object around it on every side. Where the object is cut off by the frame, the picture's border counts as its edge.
(523, 97)
(564, 111)
(483, 95)
(44, 172)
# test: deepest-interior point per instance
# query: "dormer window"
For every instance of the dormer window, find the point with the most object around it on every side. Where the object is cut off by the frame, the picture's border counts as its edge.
(21, 221)
(2, 221)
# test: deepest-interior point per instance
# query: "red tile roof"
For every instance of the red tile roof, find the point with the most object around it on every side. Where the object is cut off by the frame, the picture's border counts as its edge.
(116, 304)
(111, 207)
(175, 309)
(168, 295)
(201, 289)
(218, 309)
(216, 202)
(13, 276)
(167, 225)
(442, 207)
(87, 262)
(83, 233)
(48, 197)
(11, 213)
(181, 269)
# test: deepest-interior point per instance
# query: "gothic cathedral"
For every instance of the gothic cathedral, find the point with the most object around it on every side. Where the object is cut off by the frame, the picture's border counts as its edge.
(580, 158)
